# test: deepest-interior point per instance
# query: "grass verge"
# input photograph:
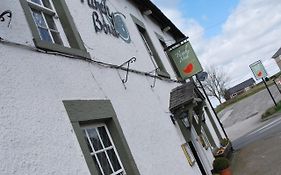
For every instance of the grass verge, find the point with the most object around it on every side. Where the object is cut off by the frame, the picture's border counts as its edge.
(272, 110)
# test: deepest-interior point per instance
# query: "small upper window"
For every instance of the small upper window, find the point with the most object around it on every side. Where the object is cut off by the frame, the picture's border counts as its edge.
(43, 15)
(52, 27)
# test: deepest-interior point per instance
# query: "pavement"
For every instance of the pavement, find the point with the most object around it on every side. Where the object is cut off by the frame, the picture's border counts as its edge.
(261, 157)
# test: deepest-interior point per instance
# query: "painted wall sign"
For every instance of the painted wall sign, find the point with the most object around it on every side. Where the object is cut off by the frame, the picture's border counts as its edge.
(185, 59)
(8, 14)
(108, 22)
(258, 70)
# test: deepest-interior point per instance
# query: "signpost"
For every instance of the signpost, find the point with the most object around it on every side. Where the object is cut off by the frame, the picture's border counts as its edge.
(260, 73)
(184, 59)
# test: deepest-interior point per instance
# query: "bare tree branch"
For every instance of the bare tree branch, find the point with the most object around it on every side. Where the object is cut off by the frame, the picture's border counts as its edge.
(215, 84)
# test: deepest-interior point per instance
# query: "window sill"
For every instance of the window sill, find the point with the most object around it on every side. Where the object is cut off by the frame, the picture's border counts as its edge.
(61, 49)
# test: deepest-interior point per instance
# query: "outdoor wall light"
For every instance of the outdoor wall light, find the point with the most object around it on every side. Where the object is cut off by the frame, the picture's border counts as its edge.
(184, 119)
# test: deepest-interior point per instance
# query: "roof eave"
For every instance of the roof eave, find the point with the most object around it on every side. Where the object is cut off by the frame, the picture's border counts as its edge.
(159, 16)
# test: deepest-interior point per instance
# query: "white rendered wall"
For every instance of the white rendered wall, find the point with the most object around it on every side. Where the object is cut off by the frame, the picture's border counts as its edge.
(36, 134)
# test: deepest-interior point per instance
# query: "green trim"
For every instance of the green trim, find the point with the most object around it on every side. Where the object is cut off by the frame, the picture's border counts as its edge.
(213, 123)
(94, 111)
(137, 21)
(70, 29)
(74, 39)
(186, 132)
(209, 135)
(141, 28)
(44, 45)
(29, 19)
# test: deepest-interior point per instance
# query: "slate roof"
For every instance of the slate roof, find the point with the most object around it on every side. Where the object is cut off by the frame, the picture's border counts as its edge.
(241, 86)
(183, 95)
(277, 53)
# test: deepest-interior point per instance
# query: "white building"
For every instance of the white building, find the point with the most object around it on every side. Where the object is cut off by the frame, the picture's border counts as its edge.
(64, 78)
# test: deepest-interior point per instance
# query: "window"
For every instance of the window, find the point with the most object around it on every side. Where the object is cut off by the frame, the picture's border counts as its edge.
(52, 27)
(161, 71)
(43, 15)
(102, 150)
(100, 137)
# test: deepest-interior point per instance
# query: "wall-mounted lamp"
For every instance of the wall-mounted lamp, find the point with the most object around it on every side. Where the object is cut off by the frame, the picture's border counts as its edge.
(147, 12)
(184, 119)
(166, 29)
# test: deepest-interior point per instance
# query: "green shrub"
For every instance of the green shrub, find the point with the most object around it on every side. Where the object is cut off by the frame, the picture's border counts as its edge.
(220, 164)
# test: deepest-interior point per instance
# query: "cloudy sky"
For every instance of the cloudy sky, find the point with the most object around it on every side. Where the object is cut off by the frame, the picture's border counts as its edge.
(230, 34)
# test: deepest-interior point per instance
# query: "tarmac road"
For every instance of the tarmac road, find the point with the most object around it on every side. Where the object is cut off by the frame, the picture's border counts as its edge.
(268, 129)
(245, 115)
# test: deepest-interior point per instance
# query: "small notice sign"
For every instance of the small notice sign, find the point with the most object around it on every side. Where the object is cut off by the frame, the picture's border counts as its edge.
(185, 60)
(258, 70)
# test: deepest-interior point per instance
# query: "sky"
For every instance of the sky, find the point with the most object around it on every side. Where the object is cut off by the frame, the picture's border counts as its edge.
(229, 34)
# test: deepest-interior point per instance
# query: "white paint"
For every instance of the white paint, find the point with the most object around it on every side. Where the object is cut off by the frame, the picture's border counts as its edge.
(36, 134)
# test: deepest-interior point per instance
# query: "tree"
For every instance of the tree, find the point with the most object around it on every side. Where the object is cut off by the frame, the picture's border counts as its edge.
(215, 83)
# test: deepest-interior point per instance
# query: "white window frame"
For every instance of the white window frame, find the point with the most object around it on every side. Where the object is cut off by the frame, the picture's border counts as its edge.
(94, 153)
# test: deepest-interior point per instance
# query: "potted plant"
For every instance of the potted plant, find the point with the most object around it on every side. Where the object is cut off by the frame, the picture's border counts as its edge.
(221, 165)
(224, 142)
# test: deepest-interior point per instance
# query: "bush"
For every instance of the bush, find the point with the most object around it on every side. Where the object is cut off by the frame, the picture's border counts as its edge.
(220, 164)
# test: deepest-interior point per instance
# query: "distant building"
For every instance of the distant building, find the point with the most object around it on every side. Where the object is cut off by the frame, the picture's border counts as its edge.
(277, 58)
(239, 89)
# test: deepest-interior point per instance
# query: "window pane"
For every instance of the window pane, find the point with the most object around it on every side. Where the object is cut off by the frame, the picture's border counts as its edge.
(94, 139)
(87, 141)
(97, 165)
(45, 35)
(104, 163)
(104, 136)
(38, 18)
(37, 2)
(56, 37)
(113, 159)
(50, 22)
(47, 4)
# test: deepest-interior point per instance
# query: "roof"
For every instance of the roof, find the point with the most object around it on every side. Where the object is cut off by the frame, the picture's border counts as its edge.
(241, 86)
(159, 16)
(277, 53)
(183, 95)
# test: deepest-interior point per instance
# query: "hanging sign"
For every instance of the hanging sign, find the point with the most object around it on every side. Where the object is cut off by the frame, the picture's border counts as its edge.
(184, 59)
(258, 70)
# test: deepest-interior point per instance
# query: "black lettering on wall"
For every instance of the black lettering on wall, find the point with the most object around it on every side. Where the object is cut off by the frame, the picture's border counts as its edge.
(7, 13)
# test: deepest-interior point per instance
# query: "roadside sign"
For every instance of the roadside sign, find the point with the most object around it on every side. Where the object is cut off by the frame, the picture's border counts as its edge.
(258, 70)
(185, 60)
